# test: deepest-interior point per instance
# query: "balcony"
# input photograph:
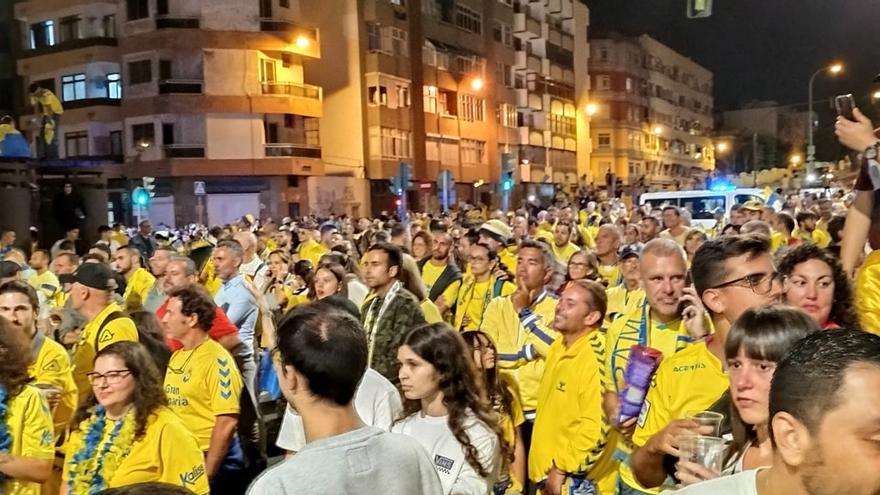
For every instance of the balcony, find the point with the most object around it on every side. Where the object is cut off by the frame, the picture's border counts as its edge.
(69, 45)
(292, 150)
(291, 89)
(269, 24)
(180, 86)
(91, 102)
(176, 22)
(525, 25)
(184, 151)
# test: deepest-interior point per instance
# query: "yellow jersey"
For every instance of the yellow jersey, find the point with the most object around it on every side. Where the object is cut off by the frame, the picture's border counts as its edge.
(167, 453)
(563, 253)
(777, 241)
(587, 237)
(91, 341)
(569, 429)
(431, 273)
(622, 301)
(520, 340)
(508, 259)
(818, 237)
(691, 380)
(52, 366)
(312, 250)
(30, 426)
(432, 314)
(137, 289)
(46, 283)
(474, 297)
(867, 290)
(611, 274)
(201, 384)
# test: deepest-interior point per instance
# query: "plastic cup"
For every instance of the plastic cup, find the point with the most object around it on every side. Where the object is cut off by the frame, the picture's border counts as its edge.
(704, 450)
(707, 418)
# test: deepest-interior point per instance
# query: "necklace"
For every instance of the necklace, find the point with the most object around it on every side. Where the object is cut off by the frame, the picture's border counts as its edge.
(180, 370)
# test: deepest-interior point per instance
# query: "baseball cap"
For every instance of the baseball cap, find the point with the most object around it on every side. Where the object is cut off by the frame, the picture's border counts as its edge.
(630, 250)
(95, 275)
(753, 205)
(498, 229)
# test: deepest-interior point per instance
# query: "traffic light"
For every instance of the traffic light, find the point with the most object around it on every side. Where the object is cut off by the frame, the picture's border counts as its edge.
(150, 185)
(697, 9)
(140, 197)
(507, 181)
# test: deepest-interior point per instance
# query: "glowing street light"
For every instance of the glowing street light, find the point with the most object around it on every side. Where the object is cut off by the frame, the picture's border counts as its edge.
(876, 95)
(721, 147)
(302, 42)
(477, 84)
(592, 108)
(833, 69)
(795, 160)
(658, 130)
(836, 68)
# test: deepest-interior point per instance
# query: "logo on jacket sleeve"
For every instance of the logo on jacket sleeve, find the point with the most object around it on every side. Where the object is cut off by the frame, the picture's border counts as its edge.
(443, 464)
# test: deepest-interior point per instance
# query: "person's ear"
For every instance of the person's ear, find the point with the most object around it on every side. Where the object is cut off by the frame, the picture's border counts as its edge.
(394, 271)
(792, 439)
(714, 301)
(593, 319)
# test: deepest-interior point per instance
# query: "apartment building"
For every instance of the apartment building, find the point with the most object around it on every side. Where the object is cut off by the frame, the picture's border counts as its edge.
(653, 117)
(452, 85)
(207, 91)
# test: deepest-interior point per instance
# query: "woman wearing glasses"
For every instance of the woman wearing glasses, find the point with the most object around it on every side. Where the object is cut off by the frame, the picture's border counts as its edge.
(814, 281)
(479, 287)
(125, 434)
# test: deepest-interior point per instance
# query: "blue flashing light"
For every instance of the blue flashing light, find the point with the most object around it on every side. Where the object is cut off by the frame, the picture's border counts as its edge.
(722, 186)
(140, 196)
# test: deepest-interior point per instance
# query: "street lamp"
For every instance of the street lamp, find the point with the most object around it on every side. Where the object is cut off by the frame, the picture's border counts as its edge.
(795, 160)
(477, 84)
(302, 42)
(592, 108)
(721, 147)
(832, 69)
(658, 130)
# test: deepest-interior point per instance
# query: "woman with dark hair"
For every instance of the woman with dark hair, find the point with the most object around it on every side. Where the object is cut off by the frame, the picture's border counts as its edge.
(692, 241)
(125, 433)
(730, 229)
(446, 410)
(421, 244)
(758, 340)
(583, 265)
(355, 289)
(329, 285)
(814, 281)
(505, 402)
(150, 334)
(25, 420)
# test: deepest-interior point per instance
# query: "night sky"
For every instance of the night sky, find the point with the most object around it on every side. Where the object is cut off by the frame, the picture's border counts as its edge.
(762, 49)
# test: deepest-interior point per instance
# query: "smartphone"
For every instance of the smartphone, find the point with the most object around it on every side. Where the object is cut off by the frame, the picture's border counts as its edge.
(845, 105)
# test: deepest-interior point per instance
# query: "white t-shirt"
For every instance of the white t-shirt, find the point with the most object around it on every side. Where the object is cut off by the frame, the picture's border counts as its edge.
(257, 269)
(376, 401)
(457, 476)
(744, 483)
(357, 292)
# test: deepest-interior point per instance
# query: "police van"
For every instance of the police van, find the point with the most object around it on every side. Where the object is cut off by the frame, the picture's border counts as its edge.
(702, 203)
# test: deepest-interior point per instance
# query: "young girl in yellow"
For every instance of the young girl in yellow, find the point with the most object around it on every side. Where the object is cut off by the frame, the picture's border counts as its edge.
(26, 431)
(125, 434)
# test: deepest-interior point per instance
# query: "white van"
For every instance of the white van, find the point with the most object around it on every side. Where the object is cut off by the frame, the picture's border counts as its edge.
(702, 203)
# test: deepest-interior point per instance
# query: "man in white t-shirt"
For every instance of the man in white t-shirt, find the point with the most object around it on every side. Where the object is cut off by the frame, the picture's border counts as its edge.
(321, 358)
(252, 267)
(376, 401)
(824, 417)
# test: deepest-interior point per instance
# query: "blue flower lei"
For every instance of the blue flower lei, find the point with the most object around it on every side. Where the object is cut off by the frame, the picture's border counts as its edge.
(88, 451)
(5, 436)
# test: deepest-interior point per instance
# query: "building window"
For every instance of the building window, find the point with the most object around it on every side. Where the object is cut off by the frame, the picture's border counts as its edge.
(377, 95)
(502, 33)
(402, 93)
(472, 108)
(374, 37)
(629, 85)
(109, 26)
(137, 9)
(42, 34)
(430, 98)
(473, 151)
(468, 20)
(140, 72)
(443, 105)
(604, 141)
(387, 39)
(603, 83)
(73, 87)
(114, 86)
(68, 29)
(507, 115)
(389, 143)
(142, 132)
(76, 144)
(603, 54)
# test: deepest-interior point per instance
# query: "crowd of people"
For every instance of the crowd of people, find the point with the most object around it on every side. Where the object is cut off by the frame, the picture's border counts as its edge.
(581, 348)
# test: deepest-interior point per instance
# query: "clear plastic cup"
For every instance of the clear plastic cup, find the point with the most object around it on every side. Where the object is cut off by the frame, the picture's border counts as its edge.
(704, 450)
(707, 418)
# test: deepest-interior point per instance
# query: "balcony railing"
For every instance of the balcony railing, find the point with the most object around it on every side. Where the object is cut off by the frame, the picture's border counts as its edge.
(184, 151)
(290, 149)
(279, 25)
(91, 102)
(180, 86)
(170, 21)
(291, 89)
(69, 45)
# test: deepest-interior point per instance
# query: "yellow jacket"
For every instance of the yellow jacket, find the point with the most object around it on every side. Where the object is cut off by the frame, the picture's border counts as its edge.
(522, 339)
(570, 426)
(868, 293)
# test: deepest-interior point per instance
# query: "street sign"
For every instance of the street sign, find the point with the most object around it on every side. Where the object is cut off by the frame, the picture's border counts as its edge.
(199, 188)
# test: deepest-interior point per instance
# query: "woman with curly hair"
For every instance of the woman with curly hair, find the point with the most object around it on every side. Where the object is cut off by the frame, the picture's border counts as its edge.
(421, 244)
(125, 433)
(446, 410)
(26, 431)
(814, 281)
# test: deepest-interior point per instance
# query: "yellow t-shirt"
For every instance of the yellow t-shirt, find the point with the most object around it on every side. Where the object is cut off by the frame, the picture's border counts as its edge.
(777, 241)
(137, 289)
(621, 302)
(587, 237)
(53, 367)
(611, 274)
(47, 283)
(563, 253)
(201, 384)
(508, 259)
(118, 330)
(474, 297)
(431, 273)
(167, 453)
(691, 380)
(30, 426)
(312, 250)
(432, 314)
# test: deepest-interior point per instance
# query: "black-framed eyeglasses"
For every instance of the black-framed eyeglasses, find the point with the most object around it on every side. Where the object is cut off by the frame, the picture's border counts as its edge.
(760, 283)
(110, 377)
